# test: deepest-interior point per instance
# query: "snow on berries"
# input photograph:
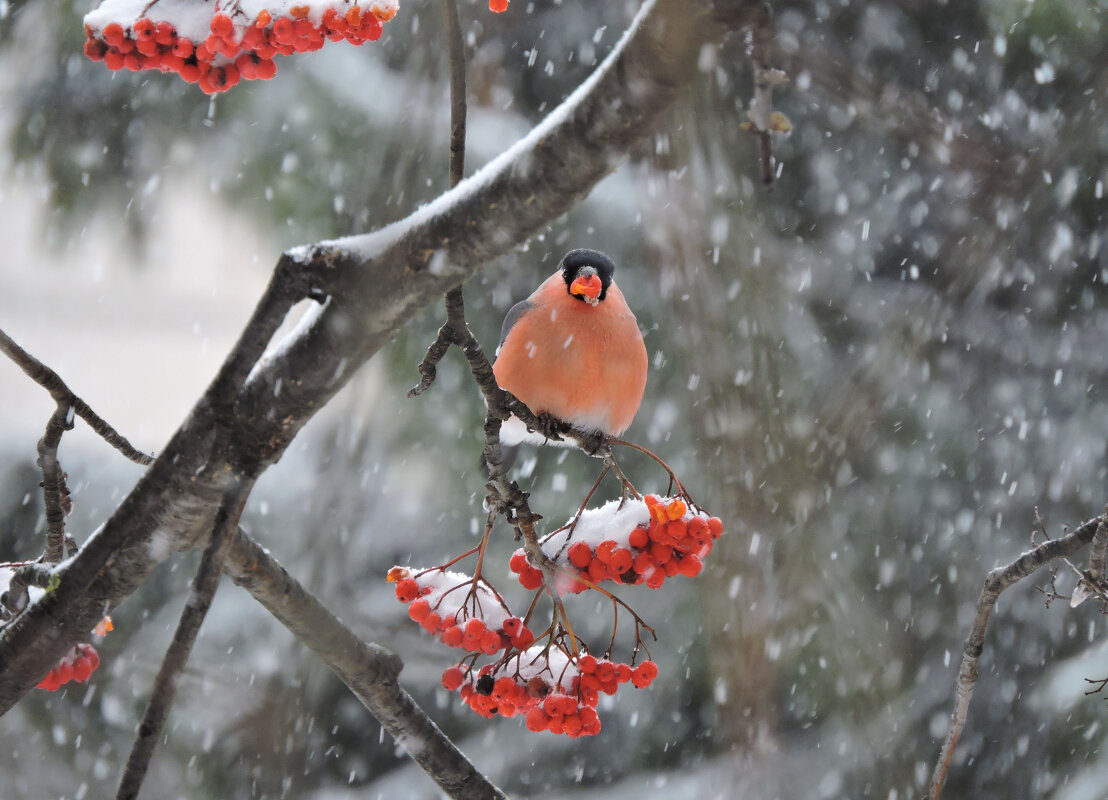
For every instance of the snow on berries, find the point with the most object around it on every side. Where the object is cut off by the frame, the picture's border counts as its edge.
(551, 689)
(459, 611)
(76, 665)
(629, 542)
(217, 44)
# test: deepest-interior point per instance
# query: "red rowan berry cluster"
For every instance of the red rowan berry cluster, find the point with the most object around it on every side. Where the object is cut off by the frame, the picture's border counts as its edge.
(459, 611)
(552, 690)
(629, 542)
(76, 665)
(218, 44)
(549, 678)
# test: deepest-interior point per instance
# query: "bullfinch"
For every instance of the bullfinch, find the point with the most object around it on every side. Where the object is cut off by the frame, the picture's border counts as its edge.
(573, 350)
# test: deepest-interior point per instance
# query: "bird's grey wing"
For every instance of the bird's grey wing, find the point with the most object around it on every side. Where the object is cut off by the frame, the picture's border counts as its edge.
(514, 313)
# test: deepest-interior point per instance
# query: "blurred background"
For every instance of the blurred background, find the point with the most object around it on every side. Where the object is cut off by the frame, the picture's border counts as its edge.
(875, 373)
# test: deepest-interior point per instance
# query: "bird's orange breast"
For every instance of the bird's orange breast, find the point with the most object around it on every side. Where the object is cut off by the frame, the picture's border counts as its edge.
(584, 364)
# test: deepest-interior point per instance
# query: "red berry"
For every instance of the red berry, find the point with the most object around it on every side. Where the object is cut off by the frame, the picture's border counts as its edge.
(266, 69)
(643, 674)
(523, 639)
(518, 562)
(82, 669)
(283, 31)
(222, 26)
(452, 636)
(113, 34)
(531, 579)
(690, 565)
(171, 63)
(498, 6)
(182, 48)
(598, 570)
(572, 725)
(490, 643)
(407, 590)
(147, 47)
(90, 654)
(512, 626)
(587, 664)
(95, 49)
(620, 561)
(715, 527)
(371, 28)
(432, 622)
(452, 678)
(419, 610)
(113, 60)
(143, 29)
(165, 33)
(537, 720)
(638, 538)
(580, 554)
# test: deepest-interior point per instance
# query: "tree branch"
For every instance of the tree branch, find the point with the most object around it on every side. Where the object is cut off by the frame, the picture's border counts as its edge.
(370, 671)
(204, 585)
(371, 285)
(64, 396)
(996, 582)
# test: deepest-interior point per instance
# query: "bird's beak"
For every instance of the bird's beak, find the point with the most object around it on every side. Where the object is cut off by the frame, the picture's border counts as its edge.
(588, 286)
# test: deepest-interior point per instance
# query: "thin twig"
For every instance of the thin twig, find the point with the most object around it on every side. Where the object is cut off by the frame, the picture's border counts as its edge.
(204, 585)
(63, 395)
(996, 582)
(762, 35)
(451, 332)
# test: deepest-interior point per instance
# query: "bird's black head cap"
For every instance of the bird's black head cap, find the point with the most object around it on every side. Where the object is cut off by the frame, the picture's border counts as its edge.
(575, 260)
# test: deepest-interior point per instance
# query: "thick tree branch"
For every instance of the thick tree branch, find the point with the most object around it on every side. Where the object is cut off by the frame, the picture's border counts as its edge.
(996, 582)
(369, 670)
(372, 285)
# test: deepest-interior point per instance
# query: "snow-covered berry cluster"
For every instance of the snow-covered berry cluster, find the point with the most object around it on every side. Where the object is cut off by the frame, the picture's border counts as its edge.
(217, 44)
(459, 611)
(550, 688)
(76, 665)
(629, 542)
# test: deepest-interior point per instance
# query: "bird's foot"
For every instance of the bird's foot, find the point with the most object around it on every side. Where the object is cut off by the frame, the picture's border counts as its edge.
(551, 427)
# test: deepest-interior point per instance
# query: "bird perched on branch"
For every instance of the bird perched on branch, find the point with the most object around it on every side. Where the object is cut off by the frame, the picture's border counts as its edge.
(573, 351)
